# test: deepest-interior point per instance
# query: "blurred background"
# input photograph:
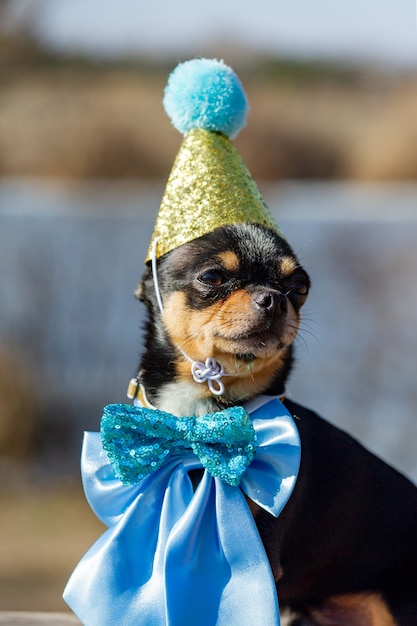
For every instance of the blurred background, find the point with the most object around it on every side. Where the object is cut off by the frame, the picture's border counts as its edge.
(85, 150)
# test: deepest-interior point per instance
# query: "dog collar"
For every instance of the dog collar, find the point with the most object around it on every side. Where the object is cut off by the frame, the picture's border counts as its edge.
(137, 392)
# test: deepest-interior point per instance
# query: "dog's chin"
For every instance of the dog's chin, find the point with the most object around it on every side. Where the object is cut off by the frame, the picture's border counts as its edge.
(250, 347)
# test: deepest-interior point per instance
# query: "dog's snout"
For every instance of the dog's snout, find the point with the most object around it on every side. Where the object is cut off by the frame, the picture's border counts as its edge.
(270, 301)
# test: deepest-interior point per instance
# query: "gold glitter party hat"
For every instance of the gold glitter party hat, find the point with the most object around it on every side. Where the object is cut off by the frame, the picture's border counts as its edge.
(209, 185)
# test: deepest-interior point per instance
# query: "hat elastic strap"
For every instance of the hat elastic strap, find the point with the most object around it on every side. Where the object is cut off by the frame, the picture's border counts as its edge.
(210, 371)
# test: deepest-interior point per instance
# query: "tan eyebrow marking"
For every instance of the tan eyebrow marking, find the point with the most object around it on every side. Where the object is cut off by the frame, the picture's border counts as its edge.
(229, 260)
(288, 265)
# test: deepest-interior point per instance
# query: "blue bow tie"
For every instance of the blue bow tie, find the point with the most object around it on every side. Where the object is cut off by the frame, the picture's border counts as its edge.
(172, 555)
(138, 441)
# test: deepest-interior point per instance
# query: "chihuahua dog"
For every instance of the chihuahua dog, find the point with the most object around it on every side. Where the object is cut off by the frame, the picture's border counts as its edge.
(344, 550)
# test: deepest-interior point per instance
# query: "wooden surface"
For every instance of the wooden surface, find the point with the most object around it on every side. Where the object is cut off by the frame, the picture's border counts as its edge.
(12, 618)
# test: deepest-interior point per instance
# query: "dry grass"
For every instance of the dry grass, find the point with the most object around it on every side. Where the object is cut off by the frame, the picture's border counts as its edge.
(113, 125)
(79, 127)
(43, 534)
(19, 407)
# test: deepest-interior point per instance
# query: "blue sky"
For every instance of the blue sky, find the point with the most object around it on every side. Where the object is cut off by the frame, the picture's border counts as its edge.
(379, 30)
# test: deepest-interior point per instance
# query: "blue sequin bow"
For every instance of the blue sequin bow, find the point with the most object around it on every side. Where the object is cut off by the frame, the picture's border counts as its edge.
(138, 441)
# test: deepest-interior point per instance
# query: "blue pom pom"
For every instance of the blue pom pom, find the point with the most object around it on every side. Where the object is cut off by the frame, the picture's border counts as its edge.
(207, 94)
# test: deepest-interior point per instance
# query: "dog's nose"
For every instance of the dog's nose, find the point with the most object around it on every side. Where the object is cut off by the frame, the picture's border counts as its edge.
(269, 301)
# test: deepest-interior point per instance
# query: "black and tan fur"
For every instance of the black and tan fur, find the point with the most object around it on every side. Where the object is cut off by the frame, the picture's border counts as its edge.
(344, 550)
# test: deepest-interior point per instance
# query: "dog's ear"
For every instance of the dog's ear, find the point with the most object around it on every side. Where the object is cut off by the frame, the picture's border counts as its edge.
(138, 293)
(144, 287)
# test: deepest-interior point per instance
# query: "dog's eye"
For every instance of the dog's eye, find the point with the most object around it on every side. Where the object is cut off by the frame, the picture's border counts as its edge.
(213, 278)
(299, 286)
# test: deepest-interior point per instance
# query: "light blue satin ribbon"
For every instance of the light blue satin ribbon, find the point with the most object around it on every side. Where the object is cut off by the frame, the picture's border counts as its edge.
(175, 557)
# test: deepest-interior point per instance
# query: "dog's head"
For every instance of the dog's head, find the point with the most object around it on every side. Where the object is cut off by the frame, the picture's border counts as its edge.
(235, 295)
